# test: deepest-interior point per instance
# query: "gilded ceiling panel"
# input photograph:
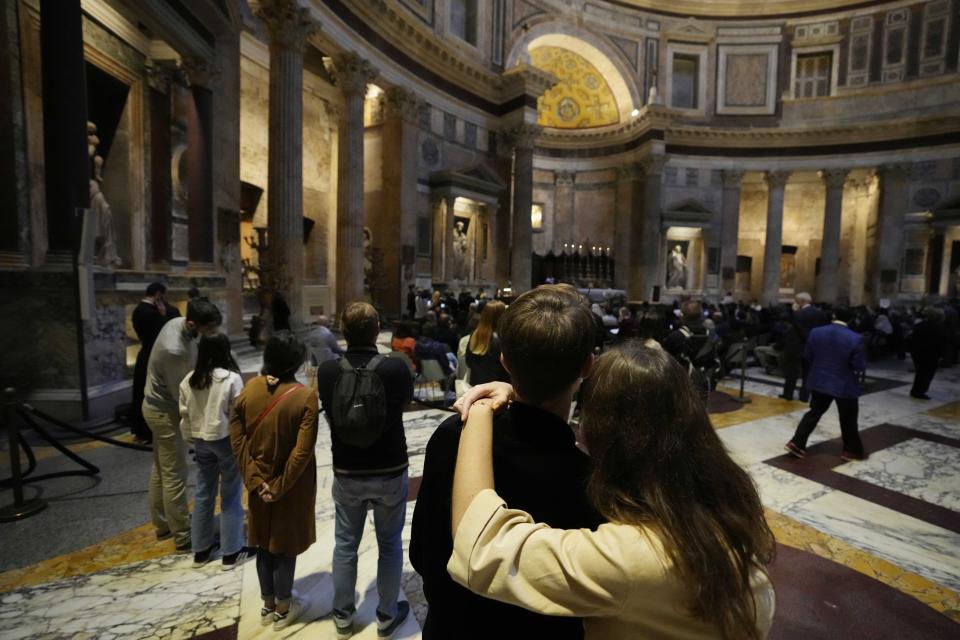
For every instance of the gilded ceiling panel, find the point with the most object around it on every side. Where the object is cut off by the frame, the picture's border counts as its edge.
(581, 99)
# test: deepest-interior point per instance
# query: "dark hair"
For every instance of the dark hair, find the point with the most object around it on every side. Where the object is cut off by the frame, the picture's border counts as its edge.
(360, 324)
(156, 287)
(692, 311)
(546, 336)
(283, 356)
(193, 292)
(203, 312)
(212, 352)
(651, 325)
(658, 463)
(843, 314)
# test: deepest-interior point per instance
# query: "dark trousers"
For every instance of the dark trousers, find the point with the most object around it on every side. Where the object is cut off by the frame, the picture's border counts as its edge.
(804, 374)
(791, 367)
(276, 575)
(925, 369)
(138, 426)
(848, 408)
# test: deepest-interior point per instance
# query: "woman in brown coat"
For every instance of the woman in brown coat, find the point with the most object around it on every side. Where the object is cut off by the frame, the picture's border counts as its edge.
(273, 432)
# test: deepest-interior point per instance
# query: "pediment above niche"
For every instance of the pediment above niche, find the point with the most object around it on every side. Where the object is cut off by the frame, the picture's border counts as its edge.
(692, 29)
(687, 213)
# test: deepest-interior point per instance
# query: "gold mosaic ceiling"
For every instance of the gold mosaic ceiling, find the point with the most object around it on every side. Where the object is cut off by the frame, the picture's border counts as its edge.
(581, 99)
(743, 8)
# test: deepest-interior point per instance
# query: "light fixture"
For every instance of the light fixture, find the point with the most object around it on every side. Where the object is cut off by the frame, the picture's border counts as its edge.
(635, 113)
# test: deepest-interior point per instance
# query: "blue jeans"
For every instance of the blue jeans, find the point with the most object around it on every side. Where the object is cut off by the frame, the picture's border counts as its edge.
(216, 462)
(387, 496)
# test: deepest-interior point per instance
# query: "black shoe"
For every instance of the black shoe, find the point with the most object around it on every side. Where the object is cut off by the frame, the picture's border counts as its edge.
(387, 626)
(233, 559)
(786, 397)
(201, 558)
(920, 396)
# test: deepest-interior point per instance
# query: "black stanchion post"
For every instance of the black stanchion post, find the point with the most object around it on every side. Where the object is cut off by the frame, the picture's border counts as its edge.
(742, 399)
(20, 508)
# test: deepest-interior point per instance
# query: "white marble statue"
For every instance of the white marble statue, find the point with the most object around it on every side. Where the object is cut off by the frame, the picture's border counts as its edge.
(459, 251)
(677, 269)
(106, 246)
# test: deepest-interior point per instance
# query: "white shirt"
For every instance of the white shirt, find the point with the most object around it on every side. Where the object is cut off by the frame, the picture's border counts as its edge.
(205, 413)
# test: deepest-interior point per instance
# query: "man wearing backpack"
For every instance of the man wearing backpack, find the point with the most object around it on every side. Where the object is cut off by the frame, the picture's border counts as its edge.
(363, 396)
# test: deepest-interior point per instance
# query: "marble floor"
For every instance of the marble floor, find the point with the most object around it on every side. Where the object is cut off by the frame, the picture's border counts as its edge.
(875, 541)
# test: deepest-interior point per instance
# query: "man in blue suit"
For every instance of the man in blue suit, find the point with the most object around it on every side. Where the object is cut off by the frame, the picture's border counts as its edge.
(806, 318)
(836, 357)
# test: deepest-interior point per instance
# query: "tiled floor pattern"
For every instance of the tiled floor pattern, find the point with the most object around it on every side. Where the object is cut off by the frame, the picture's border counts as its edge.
(130, 585)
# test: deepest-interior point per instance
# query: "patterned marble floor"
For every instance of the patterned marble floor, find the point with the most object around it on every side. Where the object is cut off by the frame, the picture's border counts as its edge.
(893, 520)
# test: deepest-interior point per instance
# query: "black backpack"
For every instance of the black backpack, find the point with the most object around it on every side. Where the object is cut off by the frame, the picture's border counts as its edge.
(359, 412)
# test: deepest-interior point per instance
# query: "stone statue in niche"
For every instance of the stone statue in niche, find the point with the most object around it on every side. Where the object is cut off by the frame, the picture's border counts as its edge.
(106, 251)
(677, 269)
(460, 244)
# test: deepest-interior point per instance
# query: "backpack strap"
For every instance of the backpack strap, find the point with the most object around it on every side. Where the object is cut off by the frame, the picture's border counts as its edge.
(374, 362)
(345, 364)
(276, 401)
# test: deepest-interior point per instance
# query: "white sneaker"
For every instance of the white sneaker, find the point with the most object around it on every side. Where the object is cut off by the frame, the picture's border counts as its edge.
(283, 620)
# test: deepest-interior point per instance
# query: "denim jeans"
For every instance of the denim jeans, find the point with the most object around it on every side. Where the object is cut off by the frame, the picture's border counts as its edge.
(387, 496)
(216, 464)
(275, 573)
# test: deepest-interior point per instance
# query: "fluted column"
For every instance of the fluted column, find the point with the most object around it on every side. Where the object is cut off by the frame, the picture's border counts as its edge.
(443, 205)
(894, 203)
(828, 281)
(521, 139)
(647, 268)
(730, 228)
(773, 245)
(352, 74)
(627, 232)
(397, 224)
(289, 26)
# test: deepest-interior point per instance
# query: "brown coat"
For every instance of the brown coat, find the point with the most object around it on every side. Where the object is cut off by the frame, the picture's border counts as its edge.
(278, 451)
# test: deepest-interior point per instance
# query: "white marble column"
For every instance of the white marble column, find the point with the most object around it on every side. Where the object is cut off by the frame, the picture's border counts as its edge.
(828, 281)
(730, 228)
(894, 203)
(352, 73)
(773, 244)
(647, 261)
(289, 25)
(442, 205)
(521, 139)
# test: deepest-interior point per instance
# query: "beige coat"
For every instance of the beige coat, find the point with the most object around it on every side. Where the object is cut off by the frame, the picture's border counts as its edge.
(278, 451)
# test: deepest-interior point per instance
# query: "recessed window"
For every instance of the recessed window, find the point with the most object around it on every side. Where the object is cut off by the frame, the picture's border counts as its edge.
(463, 20)
(813, 75)
(685, 80)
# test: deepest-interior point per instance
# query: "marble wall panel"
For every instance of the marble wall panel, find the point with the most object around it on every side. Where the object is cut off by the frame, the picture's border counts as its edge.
(593, 215)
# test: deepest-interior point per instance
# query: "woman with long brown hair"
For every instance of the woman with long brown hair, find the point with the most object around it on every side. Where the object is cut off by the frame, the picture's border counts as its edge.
(483, 349)
(685, 549)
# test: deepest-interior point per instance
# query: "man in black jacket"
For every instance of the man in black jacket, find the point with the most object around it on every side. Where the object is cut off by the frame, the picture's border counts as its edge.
(546, 336)
(148, 319)
(372, 477)
(808, 318)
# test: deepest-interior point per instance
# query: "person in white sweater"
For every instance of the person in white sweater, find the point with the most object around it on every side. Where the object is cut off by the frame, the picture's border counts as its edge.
(207, 397)
(684, 554)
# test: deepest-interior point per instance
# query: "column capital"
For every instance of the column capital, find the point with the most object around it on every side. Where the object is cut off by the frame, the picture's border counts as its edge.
(564, 178)
(200, 72)
(630, 171)
(160, 74)
(521, 136)
(835, 178)
(400, 102)
(895, 171)
(776, 179)
(732, 178)
(653, 165)
(351, 73)
(289, 24)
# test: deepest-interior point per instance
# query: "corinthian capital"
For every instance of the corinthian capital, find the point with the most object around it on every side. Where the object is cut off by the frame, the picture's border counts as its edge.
(522, 136)
(351, 73)
(200, 72)
(402, 103)
(776, 179)
(564, 178)
(834, 178)
(732, 178)
(653, 165)
(289, 24)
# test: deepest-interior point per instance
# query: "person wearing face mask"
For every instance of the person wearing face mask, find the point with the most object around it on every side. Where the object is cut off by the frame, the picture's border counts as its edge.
(172, 358)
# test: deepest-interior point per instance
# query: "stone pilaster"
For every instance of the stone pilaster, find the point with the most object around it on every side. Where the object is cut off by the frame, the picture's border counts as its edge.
(352, 73)
(397, 224)
(646, 260)
(564, 210)
(894, 204)
(773, 244)
(828, 280)
(628, 230)
(730, 228)
(521, 138)
(289, 26)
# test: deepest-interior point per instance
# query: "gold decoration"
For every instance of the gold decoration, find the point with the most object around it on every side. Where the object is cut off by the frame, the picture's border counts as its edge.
(581, 99)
